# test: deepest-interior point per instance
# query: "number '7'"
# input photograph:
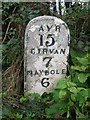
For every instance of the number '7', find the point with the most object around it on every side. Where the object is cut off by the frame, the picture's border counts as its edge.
(49, 59)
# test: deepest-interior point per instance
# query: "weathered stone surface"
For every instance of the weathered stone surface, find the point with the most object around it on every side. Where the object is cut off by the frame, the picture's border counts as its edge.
(46, 52)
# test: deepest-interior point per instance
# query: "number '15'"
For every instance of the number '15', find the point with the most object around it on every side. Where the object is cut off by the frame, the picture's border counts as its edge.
(48, 43)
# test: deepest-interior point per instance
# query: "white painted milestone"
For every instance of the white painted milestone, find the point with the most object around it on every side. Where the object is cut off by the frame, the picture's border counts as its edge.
(46, 53)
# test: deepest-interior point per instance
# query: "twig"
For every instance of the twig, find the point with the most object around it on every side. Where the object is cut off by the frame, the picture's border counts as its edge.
(84, 24)
(8, 27)
(20, 28)
(14, 73)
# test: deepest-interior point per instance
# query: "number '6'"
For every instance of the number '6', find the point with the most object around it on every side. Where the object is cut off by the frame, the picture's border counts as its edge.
(45, 83)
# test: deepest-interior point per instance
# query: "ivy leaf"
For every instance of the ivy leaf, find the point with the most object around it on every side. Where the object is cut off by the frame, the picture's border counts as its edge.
(82, 96)
(27, 94)
(19, 116)
(79, 114)
(82, 77)
(68, 113)
(79, 68)
(62, 94)
(83, 61)
(61, 84)
(73, 97)
(23, 99)
(55, 95)
(52, 110)
(80, 89)
(73, 90)
(71, 84)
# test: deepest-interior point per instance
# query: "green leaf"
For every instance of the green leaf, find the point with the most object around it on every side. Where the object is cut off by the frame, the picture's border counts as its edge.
(61, 84)
(68, 113)
(73, 97)
(52, 110)
(35, 95)
(83, 61)
(55, 95)
(82, 77)
(23, 99)
(80, 89)
(73, 90)
(79, 114)
(19, 116)
(82, 97)
(84, 93)
(27, 94)
(80, 44)
(79, 68)
(62, 94)
(71, 84)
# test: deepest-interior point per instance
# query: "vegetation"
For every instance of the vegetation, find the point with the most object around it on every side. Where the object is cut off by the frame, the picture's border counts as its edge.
(70, 99)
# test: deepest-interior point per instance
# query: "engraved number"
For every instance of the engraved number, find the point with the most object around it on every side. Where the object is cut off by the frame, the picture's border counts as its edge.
(49, 36)
(48, 62)
(45, 83)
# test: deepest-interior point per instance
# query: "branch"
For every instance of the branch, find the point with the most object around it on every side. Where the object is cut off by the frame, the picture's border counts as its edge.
(8, 27)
